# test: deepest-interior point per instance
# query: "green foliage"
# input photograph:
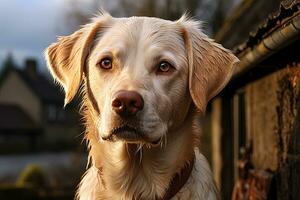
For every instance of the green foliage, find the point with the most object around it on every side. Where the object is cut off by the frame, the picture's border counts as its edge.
(32, 176)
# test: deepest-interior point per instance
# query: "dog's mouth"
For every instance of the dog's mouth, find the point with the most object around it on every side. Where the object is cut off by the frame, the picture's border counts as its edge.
(128, 134)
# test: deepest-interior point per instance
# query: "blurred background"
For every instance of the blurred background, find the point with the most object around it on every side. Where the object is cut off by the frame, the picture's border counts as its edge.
(251, 131)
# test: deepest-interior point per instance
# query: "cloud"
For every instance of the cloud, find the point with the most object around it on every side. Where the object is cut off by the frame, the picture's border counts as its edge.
(28, 27)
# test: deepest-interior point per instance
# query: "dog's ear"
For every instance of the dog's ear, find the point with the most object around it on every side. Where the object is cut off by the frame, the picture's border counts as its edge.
(210, 64)
(67, 57)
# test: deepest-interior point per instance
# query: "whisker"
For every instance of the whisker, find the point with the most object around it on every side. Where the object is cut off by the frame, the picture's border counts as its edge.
(141, 153)
(165, 140)
(127, 150)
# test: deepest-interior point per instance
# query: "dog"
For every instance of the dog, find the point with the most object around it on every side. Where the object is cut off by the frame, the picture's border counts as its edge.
(144, 83)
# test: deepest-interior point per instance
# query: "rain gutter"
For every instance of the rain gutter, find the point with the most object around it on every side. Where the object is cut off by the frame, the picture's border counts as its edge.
(269, 45)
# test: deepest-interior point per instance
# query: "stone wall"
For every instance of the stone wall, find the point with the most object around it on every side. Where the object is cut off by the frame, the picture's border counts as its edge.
(273, 125)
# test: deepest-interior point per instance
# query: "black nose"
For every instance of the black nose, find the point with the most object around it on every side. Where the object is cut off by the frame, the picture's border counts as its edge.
(127, 103)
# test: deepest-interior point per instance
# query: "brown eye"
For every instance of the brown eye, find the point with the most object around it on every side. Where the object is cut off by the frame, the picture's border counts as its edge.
(164, 67)
(105, 63)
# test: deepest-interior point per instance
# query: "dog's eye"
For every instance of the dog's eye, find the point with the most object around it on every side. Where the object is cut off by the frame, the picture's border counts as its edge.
(105, 63)
(164, 67)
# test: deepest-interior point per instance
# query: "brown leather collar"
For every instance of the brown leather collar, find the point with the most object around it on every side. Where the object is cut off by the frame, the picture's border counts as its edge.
(179, 180)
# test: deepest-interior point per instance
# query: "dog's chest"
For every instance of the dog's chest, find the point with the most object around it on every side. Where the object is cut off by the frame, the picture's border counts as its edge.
(200, 185)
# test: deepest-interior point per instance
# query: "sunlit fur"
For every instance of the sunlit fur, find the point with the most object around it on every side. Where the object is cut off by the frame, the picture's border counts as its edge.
(173, 102)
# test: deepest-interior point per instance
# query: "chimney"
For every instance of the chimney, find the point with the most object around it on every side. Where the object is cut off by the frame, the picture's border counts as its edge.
(31, 67)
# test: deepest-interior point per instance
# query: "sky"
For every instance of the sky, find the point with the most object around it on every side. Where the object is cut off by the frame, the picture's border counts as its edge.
(27, 27)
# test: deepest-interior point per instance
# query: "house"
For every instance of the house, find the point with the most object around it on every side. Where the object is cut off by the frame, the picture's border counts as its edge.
(255, 121)
(31, 114)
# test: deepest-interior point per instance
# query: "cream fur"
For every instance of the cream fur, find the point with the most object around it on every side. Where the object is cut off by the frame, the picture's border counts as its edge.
(200, 185)
(173, 101)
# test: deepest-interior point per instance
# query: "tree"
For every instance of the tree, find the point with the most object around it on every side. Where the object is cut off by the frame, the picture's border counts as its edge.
(7, 65)
(9, 62)
(78, 13)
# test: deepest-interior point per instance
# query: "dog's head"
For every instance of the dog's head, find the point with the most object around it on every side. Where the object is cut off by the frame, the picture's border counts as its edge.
(141, 74)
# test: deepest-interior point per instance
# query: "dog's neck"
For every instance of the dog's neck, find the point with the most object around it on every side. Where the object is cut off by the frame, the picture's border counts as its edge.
(131, 171)
(179, 180)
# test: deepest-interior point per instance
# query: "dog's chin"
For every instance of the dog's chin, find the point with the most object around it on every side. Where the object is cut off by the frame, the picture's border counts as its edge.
(130, 135)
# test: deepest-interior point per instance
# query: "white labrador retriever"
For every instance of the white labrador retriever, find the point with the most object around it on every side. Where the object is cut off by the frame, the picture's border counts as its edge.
(145, 83)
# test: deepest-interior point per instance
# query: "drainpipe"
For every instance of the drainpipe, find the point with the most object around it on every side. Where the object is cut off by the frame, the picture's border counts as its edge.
(271, 44)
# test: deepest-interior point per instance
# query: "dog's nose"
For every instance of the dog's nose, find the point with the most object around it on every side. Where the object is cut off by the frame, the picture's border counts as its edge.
(127, 103)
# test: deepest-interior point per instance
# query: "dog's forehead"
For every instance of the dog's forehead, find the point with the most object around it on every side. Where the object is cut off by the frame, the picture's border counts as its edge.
(145, 25)
(145, 30)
